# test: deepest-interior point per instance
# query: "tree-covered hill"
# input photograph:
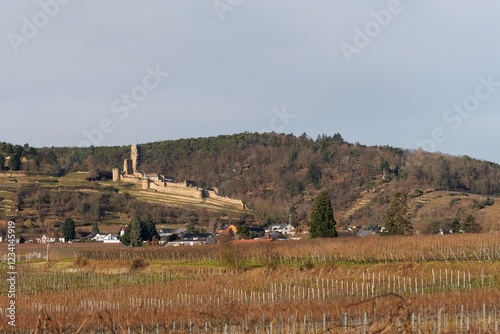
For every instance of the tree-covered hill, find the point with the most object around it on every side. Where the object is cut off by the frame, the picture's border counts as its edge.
(275, 172)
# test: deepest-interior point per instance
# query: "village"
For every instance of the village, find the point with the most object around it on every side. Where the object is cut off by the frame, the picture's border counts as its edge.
(177, 236)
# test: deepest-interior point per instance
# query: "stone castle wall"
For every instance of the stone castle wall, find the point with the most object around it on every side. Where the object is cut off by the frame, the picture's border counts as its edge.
(129, 178)
(230, 201)
(168, 189)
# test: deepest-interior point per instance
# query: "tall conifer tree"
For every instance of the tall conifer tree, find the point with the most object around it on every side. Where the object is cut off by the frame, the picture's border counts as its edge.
(322, 224)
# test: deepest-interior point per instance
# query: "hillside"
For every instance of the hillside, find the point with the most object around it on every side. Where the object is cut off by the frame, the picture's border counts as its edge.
(275, 172)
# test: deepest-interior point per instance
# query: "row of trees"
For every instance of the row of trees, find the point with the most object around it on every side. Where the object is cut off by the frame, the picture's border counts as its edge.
(244, 165)
(139, 230)
(14, 163)
(397, 221)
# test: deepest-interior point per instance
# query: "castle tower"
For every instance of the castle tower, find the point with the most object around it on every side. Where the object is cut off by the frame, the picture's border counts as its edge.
(116, 174)
(135, 155)
(127, 166)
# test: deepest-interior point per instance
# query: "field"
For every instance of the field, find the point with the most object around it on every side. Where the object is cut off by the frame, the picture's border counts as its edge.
(418, 284)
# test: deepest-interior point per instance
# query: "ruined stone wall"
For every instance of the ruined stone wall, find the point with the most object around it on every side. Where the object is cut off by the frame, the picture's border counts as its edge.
(130, 179)
(175, 184)
(235, 202)
(186, 191)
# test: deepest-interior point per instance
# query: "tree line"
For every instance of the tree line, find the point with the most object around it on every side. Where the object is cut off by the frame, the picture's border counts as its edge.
(272, 172)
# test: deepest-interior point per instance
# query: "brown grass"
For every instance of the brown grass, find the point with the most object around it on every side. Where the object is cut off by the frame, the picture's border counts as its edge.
(281, 287)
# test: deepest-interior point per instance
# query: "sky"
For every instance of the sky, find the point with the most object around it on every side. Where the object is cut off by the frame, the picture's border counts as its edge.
(404, 73)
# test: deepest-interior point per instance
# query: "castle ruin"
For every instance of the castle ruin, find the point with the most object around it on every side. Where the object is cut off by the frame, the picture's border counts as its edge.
(132, 173)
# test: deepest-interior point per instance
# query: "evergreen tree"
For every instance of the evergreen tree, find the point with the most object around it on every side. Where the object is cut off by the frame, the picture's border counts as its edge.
(470, 225)
(244, 231)
(68, 229)
(15, 162)
(9, 149)
(149, 231)
(139, 230)
(322, 224)
(397, 221)
(135, 233)
(2, 161)
(314, 174)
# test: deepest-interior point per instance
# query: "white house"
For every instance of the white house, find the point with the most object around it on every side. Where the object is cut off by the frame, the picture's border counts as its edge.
(105, 238)
(111, 239)
(285, 229)
(194, 239)
(45, 239)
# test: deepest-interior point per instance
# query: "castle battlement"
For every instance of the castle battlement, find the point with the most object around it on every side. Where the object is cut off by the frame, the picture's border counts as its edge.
(131, 173)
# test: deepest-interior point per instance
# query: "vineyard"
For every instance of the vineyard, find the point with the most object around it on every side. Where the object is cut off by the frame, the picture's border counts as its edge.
(418, 284)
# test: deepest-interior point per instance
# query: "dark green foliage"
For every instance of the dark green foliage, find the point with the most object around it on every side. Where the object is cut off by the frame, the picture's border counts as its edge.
(470, 225)
(149, 232)
(68, 229)
(132, 235)
(139, 230)
(397, 221)
(314, 174)
(337, 139)
(135, 233)
(9, 149)
(371, 227)
(2, 161)
(322, 223)
(244, 231)
(15, 162)
(447, 226)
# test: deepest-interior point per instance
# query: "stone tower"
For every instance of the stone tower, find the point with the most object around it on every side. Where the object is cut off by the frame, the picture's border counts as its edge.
(116, 174)
(135, 155)
(127, 166)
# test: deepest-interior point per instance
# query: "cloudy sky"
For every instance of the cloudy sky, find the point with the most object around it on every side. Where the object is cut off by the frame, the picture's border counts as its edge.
(403, 73)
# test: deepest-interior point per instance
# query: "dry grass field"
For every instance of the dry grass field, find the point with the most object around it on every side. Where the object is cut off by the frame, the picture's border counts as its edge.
(419, 284)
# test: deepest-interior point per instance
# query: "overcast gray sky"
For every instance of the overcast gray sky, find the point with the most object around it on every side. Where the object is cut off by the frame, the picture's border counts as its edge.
(403, 73)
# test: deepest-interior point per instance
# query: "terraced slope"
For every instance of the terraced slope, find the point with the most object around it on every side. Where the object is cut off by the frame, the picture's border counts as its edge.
(212, 204)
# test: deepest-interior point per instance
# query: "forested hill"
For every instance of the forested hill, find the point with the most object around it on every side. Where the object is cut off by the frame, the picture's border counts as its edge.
(273, 172)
